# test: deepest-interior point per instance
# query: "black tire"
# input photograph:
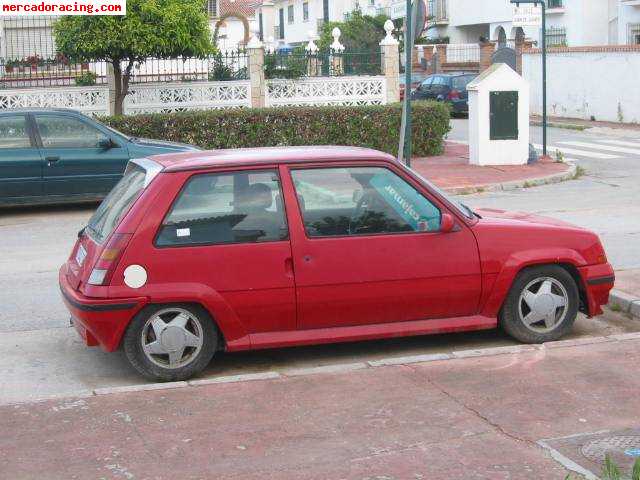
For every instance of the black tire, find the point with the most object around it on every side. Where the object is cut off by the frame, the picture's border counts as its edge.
(510, 316)
(133, 347)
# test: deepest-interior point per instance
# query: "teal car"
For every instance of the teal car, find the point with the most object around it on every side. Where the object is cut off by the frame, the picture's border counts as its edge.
(58, 156)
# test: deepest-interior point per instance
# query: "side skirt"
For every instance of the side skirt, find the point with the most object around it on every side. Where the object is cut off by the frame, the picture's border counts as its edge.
(368, 332)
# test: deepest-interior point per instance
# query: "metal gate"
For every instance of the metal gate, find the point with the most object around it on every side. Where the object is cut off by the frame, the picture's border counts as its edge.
(505, 55)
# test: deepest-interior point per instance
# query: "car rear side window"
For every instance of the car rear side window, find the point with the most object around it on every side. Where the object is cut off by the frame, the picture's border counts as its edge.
(361, 201)
(225, 208)
(117, 203)
(14, 132)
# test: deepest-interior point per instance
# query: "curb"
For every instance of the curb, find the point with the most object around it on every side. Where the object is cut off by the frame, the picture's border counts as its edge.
(516, 184)
(623, 302)
(338, 368)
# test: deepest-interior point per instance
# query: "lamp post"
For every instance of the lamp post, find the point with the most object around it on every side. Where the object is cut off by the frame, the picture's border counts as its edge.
(544, 67)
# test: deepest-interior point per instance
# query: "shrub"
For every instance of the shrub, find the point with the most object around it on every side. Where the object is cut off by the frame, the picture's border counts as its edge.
(366, 126)
(86, 79)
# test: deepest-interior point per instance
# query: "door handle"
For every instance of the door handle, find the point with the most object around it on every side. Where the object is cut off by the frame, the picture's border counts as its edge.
(51, 160)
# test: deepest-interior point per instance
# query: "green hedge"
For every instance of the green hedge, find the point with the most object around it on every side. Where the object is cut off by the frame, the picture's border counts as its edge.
(367, 126)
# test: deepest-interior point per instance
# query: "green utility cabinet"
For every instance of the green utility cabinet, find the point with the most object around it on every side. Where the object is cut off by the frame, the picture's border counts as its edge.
(503, 115)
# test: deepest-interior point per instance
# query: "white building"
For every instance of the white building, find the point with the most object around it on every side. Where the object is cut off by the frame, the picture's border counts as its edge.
(571, 23)
(288, 22)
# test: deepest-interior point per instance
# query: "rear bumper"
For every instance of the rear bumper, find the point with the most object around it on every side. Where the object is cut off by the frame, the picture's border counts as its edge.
(99, 321)
(598, 282)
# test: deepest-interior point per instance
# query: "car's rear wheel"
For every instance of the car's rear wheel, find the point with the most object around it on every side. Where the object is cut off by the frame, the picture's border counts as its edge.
(542, 305)
(170, 342)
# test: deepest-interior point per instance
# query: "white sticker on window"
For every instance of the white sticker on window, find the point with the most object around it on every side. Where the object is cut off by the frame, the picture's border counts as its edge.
(183, 232)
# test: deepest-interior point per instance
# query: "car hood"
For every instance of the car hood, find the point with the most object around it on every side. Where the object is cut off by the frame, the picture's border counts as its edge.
(161, 146)
(496, 214)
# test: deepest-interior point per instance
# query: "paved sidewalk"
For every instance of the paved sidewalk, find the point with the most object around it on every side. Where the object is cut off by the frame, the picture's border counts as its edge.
(478, 415)
(452, 172)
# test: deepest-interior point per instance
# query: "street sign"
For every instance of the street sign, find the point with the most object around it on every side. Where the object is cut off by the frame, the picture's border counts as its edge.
(527, 16)
(398, 10)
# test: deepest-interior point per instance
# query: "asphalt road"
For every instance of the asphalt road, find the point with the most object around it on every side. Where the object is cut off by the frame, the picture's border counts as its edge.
(42, 356)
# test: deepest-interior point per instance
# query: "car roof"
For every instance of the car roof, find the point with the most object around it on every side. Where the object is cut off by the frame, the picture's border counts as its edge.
(174, 162)
(39, 110)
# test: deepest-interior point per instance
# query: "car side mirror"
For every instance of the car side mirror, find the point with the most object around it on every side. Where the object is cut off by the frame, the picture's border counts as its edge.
(105, 143)
(446, 223)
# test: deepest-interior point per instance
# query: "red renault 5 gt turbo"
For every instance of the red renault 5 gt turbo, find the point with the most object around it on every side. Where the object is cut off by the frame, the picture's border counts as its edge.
(198, 252)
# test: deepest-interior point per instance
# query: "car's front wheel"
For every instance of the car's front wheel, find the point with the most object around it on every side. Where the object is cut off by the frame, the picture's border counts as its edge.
(541, 306)
(170, 342)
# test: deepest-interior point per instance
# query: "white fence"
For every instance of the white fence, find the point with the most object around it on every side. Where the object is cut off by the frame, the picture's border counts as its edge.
(575, 85)
(327, 91)
(172, 97)
(89, 100)
(144, 98)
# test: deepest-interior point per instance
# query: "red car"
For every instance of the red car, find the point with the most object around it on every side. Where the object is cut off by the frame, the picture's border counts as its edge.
(198, 252)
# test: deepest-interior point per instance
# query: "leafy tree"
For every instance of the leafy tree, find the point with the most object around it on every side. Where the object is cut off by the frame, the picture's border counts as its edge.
(359, 32)
(151, 28)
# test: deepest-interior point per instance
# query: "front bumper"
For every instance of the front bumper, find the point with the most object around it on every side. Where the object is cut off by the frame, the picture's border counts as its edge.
(98, 321)
(598, 280)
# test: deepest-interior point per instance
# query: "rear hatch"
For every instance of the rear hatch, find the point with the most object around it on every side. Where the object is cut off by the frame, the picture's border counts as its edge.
(98, 249)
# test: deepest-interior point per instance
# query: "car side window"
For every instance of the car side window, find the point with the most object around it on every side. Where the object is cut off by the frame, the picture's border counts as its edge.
(239, 207)
(14, 132)
(67, 132)
(424, 86)
(361, 201)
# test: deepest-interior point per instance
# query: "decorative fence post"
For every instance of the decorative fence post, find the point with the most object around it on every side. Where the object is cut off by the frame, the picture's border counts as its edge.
(391, 63)
(337, 49)
(314, 64)
(255, 51)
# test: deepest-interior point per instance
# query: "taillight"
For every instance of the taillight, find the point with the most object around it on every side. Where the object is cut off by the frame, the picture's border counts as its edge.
(454, 95)
(106, 264)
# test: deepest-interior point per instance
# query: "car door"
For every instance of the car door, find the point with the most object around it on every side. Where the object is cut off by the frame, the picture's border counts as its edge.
(20, 160)
(228, 231)
(367, 250)
(79, 157)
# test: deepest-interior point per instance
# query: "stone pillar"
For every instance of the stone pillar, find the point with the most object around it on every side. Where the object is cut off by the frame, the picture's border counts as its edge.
(255, 51)
(337, 49)
(487, 50)
(441, 58)
(391, 63)
(111, 95)
(521, 46)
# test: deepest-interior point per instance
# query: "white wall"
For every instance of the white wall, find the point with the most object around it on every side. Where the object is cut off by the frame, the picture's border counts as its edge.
(584, 84)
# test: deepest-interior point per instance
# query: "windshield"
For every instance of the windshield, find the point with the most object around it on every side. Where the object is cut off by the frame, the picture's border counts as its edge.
(117, 203)
(461, 207)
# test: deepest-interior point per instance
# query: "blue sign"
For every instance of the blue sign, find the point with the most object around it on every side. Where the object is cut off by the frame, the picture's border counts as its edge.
(414, 209)
(632, 452)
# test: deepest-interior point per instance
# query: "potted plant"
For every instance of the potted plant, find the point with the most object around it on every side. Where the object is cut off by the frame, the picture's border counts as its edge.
(10, 65)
